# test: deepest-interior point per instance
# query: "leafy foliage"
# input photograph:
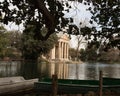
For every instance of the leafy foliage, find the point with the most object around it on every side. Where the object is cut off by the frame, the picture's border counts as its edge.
(34, 13)
(72, 53)
(33, 48)
(106, 14)
(5, 43)
(15, 42)
(49, 13)
(89, 54)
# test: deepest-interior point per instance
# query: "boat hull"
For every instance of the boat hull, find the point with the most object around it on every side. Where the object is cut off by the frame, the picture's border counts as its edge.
(82, 86)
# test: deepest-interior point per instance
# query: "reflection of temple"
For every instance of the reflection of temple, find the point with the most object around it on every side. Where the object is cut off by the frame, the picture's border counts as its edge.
(61, 69)
(60, 50)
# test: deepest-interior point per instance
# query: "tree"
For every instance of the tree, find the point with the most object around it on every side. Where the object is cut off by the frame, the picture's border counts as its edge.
(111, 56)
(79, 41)
(32, 48)
(49, 13)
(34, 13)
(5, 45)
(72, 53)
(16, 36)
(10, 42)
(107, 16)
(89, 54)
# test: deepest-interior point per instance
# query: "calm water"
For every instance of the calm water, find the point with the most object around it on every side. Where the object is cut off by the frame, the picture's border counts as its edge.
(72, 71)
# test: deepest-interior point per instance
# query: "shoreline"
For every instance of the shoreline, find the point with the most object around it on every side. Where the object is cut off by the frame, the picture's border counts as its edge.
(67, 62)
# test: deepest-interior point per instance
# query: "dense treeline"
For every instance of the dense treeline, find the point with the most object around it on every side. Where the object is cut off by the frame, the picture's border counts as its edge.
(17, 45)
(91, 54)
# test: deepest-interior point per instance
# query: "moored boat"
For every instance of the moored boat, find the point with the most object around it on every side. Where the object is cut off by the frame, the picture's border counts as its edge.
(70, 86)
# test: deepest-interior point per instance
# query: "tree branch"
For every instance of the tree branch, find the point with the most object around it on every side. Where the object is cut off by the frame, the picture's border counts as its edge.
(49, 18)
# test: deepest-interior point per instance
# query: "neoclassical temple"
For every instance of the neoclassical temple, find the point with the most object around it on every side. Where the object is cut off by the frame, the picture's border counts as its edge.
(61, 49)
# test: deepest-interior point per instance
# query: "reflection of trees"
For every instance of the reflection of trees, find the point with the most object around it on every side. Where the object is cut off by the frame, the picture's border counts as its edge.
(108, 72)
(92, 71)
(9, 68)
(77, 71)
(29, 69)
(112, 71)
(32, 70)
(91, 74)
(43, 70)
(72, 71)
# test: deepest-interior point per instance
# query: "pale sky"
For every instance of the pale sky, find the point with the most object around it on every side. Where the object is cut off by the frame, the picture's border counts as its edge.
(79, 14)
(13, 26)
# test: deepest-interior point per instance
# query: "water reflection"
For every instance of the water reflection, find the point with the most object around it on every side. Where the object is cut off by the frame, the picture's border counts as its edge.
(8, 68)
(69, 71)
(91, 70)
(112, 71)
(61, 69)
(47, 70)
(29, 69)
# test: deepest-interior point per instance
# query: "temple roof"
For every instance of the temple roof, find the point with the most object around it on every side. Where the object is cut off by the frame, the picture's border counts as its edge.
(63, 36)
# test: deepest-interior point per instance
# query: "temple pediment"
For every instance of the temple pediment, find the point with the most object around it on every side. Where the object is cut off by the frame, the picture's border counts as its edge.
(63, 37)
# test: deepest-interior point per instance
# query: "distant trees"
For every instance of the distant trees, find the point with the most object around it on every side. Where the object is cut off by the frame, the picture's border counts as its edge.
(15, 44)
(32, 48)
(9, 43)
(112, 55)
(88, 54)
(79, 41)
(15, 39)
(72, 54)
(3, 42)
(91, 54)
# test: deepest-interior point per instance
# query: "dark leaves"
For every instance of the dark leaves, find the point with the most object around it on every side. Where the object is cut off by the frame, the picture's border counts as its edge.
(107, 16)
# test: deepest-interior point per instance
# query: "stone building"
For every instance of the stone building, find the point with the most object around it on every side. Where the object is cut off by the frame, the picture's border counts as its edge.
(61, 49)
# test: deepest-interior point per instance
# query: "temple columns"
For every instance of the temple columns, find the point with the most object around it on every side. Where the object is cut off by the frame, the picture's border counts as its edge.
(60, 50)
(63, 51)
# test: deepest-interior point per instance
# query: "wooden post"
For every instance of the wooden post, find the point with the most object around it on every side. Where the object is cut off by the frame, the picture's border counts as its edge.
(54, 85)
(100, 83)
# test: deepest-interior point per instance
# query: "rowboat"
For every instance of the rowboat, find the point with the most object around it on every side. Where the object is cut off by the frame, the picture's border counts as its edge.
(71, 86)
(16, 85)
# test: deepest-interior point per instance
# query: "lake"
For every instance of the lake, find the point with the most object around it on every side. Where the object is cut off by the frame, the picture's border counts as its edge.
(82, 71)
(69, 71)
